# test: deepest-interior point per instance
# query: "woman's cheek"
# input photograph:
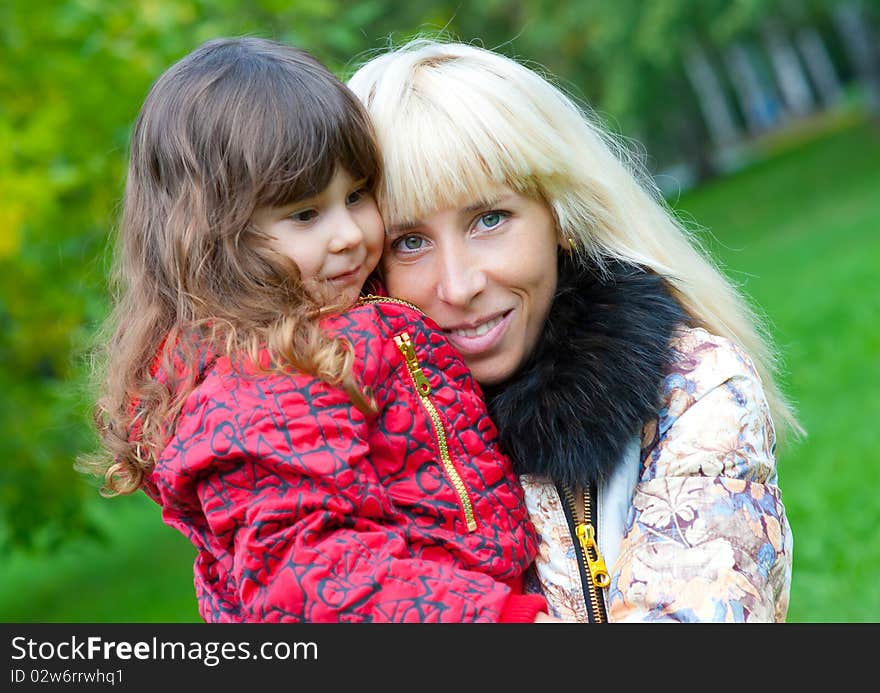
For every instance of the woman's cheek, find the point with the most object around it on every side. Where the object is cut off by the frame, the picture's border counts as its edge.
(401, 279)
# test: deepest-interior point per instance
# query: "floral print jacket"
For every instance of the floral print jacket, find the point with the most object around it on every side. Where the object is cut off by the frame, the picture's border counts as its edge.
(691, 524)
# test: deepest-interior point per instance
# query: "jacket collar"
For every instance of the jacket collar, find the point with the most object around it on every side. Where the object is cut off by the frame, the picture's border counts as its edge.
(595, 376)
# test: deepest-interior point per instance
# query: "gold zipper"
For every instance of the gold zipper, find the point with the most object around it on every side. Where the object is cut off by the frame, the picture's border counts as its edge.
(423, 388)
(586, 535)
(372, 298)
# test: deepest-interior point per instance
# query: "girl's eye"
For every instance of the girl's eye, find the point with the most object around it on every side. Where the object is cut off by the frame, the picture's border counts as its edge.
(304, 215)
(409, 244)
(357, 196)
(490, 220)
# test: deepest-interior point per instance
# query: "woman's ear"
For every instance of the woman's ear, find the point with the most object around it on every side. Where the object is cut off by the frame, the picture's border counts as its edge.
(567, 243)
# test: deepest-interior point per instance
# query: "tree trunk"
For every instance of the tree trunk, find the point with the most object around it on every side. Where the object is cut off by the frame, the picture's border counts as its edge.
(819, 65)
(790, 77)
(716, 112)
(860, 42)
(760, 106)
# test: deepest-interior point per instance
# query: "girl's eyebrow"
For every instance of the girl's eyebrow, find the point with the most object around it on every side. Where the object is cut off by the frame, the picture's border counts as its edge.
(300, 202)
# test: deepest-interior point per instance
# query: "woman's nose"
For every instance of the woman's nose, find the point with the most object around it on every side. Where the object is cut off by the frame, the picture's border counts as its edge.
(461, 277)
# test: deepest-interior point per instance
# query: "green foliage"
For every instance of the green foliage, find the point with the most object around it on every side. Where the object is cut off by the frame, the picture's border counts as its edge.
(80, 70)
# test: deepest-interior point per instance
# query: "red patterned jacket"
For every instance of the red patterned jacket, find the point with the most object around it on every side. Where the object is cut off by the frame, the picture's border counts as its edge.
(303, 509)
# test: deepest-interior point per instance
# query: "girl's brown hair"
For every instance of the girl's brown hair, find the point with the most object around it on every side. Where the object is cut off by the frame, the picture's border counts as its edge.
(237, 124)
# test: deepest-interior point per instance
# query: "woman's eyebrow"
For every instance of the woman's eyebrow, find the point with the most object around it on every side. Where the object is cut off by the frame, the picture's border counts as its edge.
(482, 204)
(488, 203)
(402, 227)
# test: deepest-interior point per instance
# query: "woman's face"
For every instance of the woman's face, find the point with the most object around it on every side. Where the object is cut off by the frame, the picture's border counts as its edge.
(485, 272)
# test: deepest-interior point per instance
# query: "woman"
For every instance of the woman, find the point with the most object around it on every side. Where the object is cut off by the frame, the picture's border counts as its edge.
(629, 380)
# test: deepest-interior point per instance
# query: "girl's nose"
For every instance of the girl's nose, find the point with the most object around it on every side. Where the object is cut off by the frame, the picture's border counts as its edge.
(347, 233)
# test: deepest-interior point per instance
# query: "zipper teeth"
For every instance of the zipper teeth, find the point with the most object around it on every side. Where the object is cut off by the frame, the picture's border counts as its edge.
(372, 298)
(405, 345)
(591, 587)
(450, 469)
(588, 518)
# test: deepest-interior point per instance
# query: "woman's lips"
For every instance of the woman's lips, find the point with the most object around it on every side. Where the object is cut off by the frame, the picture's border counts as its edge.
(482, 337)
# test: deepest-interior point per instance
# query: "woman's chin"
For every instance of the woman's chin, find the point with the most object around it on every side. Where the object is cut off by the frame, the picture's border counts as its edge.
(493, 371)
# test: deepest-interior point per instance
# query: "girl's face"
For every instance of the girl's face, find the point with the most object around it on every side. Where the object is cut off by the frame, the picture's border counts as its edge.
(485, 272)
(335, 238)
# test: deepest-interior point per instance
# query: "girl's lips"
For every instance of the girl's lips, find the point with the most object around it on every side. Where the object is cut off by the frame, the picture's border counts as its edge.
(473, 344)
(347, 277)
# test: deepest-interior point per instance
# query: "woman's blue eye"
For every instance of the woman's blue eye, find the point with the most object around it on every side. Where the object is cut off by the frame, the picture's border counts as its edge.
(410, 243)
(491, 219)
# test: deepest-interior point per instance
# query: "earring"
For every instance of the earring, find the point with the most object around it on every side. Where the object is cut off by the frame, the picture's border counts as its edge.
(571, 243)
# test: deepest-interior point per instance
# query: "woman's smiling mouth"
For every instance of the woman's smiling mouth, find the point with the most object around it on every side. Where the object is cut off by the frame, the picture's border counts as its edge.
(480, 337)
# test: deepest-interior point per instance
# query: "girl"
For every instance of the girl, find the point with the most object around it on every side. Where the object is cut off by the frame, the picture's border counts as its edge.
(628, 379)
(329, 461)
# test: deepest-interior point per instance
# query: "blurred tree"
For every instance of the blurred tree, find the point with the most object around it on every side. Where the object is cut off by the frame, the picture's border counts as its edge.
(683, 78)
(790, 75)
(644, 54)
(74, 75)
(857, 21)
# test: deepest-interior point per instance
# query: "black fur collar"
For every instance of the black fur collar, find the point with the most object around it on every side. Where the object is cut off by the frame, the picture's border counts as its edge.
(595, 376)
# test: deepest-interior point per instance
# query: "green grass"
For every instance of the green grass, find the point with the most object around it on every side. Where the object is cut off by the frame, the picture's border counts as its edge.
(141, 573)
(801, 233)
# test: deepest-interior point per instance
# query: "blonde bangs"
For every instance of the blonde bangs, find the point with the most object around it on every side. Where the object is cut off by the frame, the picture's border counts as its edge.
(456, 150)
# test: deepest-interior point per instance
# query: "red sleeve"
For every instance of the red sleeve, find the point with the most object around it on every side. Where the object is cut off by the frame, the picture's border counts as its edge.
(522, 608)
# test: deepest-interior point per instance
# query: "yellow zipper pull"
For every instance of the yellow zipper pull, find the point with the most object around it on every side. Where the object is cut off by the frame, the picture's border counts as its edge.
(586, 534)
(412, 363)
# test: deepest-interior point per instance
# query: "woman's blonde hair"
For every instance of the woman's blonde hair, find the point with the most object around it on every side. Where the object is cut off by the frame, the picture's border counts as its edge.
(238, 124)
(455, 121)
